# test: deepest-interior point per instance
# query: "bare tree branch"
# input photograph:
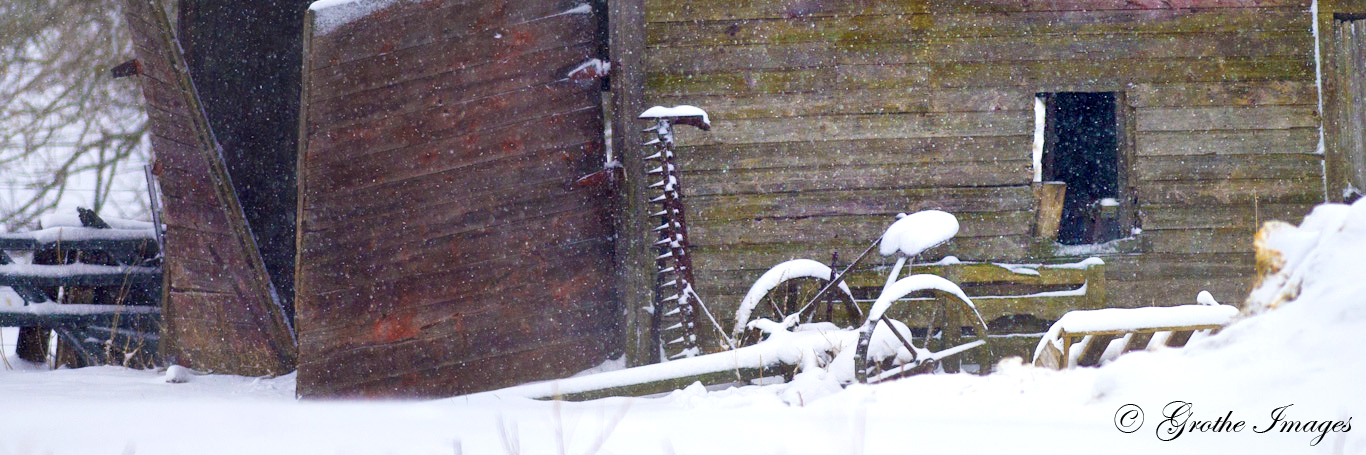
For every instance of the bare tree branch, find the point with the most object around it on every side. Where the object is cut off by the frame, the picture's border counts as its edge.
(67, 128)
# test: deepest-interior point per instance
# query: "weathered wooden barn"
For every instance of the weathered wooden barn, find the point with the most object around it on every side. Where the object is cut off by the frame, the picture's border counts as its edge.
(447, 244)
(832, 115)
(220, 309)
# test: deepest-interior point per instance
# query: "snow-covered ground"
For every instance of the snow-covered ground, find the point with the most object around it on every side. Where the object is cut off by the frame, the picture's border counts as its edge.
(1308, 354)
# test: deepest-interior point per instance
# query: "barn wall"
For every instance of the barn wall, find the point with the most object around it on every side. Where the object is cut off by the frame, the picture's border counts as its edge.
(245, 60)
(220, 311)
(443, 247)
(830, 117)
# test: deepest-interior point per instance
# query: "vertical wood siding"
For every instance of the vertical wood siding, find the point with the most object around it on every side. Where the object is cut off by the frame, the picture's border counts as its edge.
(1349, 49)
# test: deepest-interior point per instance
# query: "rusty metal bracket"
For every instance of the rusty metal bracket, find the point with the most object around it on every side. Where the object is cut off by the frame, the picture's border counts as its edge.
(129, 68)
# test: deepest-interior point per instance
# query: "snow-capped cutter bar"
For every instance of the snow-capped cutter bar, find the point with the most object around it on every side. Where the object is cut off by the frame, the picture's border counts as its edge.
(676, 306)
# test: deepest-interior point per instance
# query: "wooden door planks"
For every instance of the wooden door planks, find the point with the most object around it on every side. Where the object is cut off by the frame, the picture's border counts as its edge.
(439, 228)
(239, 327)
(525, 289)
(461, 85)
(498, 369)
(464, 253)
(396, 29)
(488, 183)
(445, 57)
(538, 102)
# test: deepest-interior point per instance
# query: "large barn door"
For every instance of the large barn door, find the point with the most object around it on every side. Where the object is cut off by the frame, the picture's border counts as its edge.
(444, 246)
(221, 311)
(1350, 49)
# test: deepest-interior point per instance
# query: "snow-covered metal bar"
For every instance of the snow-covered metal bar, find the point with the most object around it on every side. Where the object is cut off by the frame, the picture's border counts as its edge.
(76, 275)
(736, 365)
(79, 238)
(54, 315)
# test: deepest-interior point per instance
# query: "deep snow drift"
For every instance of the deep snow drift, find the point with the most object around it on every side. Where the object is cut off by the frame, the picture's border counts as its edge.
(1306, 353)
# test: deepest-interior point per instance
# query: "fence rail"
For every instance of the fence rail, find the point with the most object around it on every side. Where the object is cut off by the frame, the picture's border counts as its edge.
(97, 287)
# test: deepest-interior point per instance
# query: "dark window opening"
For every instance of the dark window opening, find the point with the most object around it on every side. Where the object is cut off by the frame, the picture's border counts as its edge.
(1082, 149)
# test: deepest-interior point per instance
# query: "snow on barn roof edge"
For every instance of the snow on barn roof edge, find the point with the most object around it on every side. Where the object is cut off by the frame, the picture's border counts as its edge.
(330, 14)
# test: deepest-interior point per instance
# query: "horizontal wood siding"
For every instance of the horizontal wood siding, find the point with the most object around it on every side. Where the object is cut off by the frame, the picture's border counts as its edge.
(831, 117)
(220, 311)
(444, 248)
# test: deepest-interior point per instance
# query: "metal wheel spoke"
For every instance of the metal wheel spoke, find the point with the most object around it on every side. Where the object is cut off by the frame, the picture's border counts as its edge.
(777, 311)
(904, 341)
(929, 328)
(787, 297)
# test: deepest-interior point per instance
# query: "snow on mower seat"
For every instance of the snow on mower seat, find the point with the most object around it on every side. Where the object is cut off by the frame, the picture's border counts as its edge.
(1089, 337)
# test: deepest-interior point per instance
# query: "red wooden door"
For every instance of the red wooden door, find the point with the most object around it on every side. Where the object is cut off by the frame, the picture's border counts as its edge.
(443, 248)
